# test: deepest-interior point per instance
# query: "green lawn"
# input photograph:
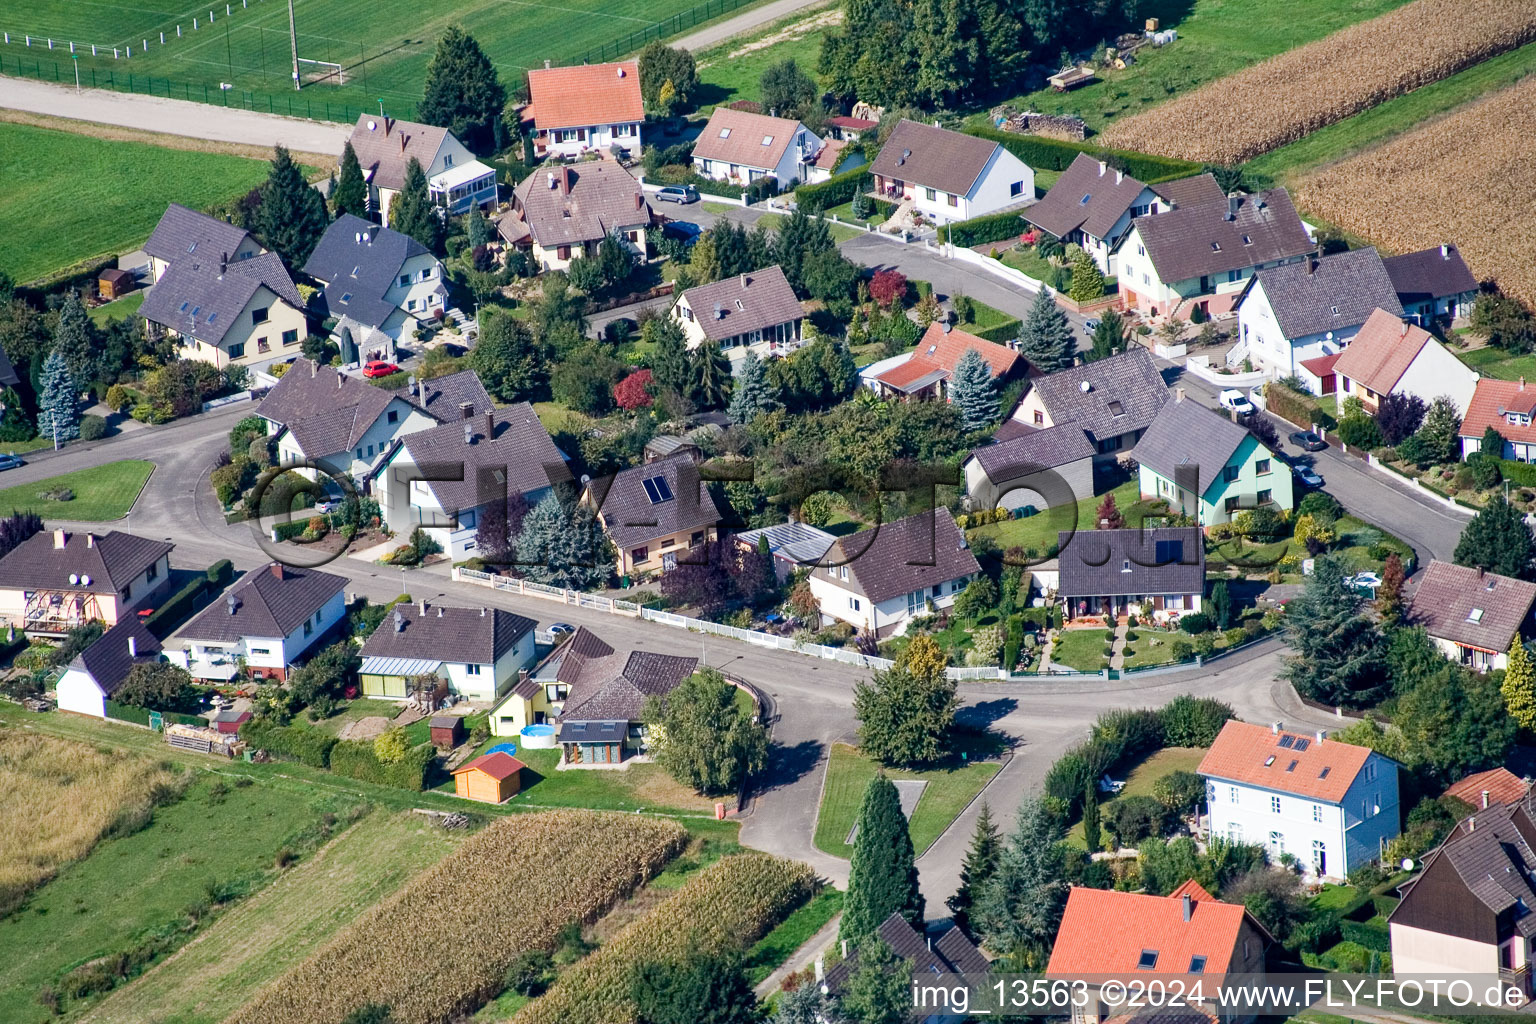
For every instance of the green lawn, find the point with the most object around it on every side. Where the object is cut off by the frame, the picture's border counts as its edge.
(986, 318)
(1216, 38)
(773, 949)
(1357, 537)
(949, 789)
(1039, 532)
(102, 493)
(845, 213)
(734, 69)
(1394, 117)
(1082, 649)
(118, 309)
(1496, 362)
(1028, 261)
(72, 198)
(840, 232)
(1139, 782)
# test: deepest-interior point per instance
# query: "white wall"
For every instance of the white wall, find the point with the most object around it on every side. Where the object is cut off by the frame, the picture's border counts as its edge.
(1420, 952)
(888, 617)
(78, 692)
(598, 136)
(1435, 372)
(374, 442)
(995, 188)
(297, 642)
(423, 292)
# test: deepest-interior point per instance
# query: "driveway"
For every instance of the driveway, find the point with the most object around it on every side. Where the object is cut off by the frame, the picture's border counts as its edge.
(718, 33)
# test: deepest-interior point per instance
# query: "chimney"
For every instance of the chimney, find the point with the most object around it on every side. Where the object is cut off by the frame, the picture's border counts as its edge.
(1178, 394)
(439, 611)
(339, 382)
(1522, 382)
(639, 201)
(1311, 266)
(422, 604)
(565, 181)
(1485, 792)
(1232, 204)
(469, 433)
(1189, 908)
(546, 65)
(490, 425)
(482, 615)
(845, 949)
(389, 123)
(60, 538)
(1445, 251)
(744, 280)
(1402, 331)
(551, 176)
(90, 539)
(277, 571)
(403, 137)
(1102, 168)
(223, 263)
(133, 652)
(314, 368)
(1472, 824)
(1275, 727)
(1321, 735)
(821, 970)
(466, 410)
(1119, 176)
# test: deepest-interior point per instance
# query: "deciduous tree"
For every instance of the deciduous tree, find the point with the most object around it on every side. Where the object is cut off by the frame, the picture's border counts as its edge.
(887, 287)
(703, 737)
(159, 686)
(1108, 516)
(879, 989)
(510, 362)
(1389, 596)
(905, 713)
(787, 91)
(1519, 686)
(634, 391)
(700, 988)
(662, 65)
(1399, 415)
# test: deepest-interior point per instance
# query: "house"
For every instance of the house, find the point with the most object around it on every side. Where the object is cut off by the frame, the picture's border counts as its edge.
(1157, 573)
(653, 511)
(828, 161)
(97, 672)
(1093, 204)
(446, 731)
(184, 232)
(1120, 936)
(1467, 910)
(951, 953)
(1392, 356)
(880, 579)
(540, 694)
(245, 312)
(925, 372)
(1330, 805)
(58, 579)
(269, 620)
(586, 107)
(442, 479)
(755, 312)
(791, 545)
(1473, 616)
(1041, 468)
(376, 280)
(1299, 312)
(385, 146)
(566, 212)
(1205, 465)
(477, 651)
(492, 778)
(1433, 284)
(1507, 407)
(1111, 400)
(340, 422)
(1495, 787)
(949, 176)
(741, 147)
(1202, 255)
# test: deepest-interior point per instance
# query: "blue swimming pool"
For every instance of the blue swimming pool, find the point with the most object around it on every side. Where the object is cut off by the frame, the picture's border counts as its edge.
(505, 748)
(538, 736)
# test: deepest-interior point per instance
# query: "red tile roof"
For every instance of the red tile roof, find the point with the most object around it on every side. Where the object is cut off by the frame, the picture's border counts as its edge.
(940, 351)
(1321, 366)
(1490, 399)
(857, 124)
(1382, 352)
(587, 94)
(499, 765)
(1287, 762)
(1105, 932)
(742, 137)
(1502, 785)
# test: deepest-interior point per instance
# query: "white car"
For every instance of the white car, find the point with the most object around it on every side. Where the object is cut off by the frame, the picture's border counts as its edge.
(1235, 400)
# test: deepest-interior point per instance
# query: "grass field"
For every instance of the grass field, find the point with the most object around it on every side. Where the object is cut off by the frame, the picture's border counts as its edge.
(1139, 781)
(214, 974)
(734, 70)
(949, 789)
(71, 198)
(1040, 531)
(102, 493)
(1496, 362)
(118, 309)
(773, 949)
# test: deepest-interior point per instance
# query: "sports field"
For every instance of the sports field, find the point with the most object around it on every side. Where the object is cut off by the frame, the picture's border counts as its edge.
(383, 49)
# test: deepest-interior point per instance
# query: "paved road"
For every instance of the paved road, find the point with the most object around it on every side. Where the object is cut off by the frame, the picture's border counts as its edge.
(174, 117)
(762, 15)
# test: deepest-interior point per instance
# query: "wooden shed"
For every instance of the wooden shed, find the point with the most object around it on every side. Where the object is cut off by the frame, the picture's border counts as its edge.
(229, 722)
(490, 778)
(447, 731)
(114, 284)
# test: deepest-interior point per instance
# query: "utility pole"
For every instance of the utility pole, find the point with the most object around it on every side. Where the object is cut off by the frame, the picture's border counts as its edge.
(229, 56)
(293, 40)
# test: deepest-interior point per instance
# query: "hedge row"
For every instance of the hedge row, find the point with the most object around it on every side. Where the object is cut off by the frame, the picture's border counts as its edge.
(307, 746)
(1005, 331)
(356, 760)
(1297, 408)
(177, 609)
(288, 531)
(1057, 155)
(835, 191)
(140, 716)
(1368, 935)
(221, 572)
(991, 227)
(1521, 474)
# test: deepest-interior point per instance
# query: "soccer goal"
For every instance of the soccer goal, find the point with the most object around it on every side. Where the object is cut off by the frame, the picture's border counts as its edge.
(322, 71)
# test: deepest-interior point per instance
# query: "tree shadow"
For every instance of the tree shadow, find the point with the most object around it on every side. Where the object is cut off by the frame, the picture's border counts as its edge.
(982, 716)
(787, 764)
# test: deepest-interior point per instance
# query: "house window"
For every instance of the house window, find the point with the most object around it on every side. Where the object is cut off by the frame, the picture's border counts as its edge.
(1197, 965)
(263, 651)
(262, 346)
(370, 451)
(1017, 188)
(1039, 418)
(309, 627)
(291, 337)
(555, 692)
(151, 574)
(563, 252)
(930, 194)
(1317, 813)
(853, 603)
(639, 554)
(359, 454)
(1147, 961)
(1109, 444)
(405, 279)
(1370, 771)
(1319, 857)
(1261, 467)
(127, 591)
(952, 199)
(1230, 473)
(1274, 804)
(427, 273)
(237, 350)
(471, 670)
(1230, 505)
(1265, 497)
(697, 537)
(393, 416)
(1231, 794)
(1141, 250)
(259, 316)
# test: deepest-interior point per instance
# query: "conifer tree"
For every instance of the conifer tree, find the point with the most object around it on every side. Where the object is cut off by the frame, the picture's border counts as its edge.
(711, 376)
(669, 358)
(1091, 815)
(462, 92)
(1519, 687)
(412, 211)
(973, 391)
(752, 393)
(351, 192)
(58, 414)
(72, 338)
(562, 544)
(292, 215)
(882, 876)
(1498, 540)
(979, 865)
(1020, 906)
(1046, 338)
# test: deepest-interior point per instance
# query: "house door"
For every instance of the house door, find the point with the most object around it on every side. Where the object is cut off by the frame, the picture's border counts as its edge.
(1276, 847)
(1319, 857)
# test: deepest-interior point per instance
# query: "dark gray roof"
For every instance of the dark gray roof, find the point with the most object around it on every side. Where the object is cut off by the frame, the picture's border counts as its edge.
(202, 296)
(471, 636)
(7, 371)
(520, 446)
(110, 562)
(1197, 188)
(109, 659)
(953, 953)
(1193, 241)
(359, 260)
(1089, 194)
(1116, 563)
(888, 561)
(1494, 860)
(1430, 274)
(444, 397)
(961, 953)
(615, 686)
(1305, 295)
(325, 410)
(667, 444)
(590, 731)
(1186, 433)
(1033, 451)
(386, 145)
(184, 232)
(1129, 380)
(934, 157)
(631, 517)
(748, 302)
(1470, 606)
(271, 601)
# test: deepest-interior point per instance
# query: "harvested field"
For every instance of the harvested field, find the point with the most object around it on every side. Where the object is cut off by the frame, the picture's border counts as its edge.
(1462, 179)
(440, 946)
(1288, 96)
(59, 798)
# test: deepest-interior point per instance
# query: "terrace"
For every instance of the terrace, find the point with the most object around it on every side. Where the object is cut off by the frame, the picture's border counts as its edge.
(458, 188)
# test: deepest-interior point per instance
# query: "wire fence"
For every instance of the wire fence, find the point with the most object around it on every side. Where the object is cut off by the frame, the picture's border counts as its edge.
(665, 29)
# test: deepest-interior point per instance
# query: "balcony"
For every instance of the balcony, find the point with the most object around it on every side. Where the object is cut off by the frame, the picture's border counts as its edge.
(1517, 977)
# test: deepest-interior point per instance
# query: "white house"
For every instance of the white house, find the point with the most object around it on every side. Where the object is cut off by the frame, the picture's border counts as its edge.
(376, 280)
(741, 147)
(1474, 617)
(755, 312)
(478, 652)
(224, 312)
(1330, 805)
(385, 146)
(567, 212)
(949, 176)
(99, 670)
(588, 107)
(1390, 356)
(269, 619)
(1298, 312)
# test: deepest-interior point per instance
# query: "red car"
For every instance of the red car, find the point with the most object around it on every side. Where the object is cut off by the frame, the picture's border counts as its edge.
(379, 368)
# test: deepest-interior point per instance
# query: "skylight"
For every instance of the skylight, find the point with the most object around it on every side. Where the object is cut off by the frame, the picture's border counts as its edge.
(1125, 566)
(657, 489)
(1286, 741)
(1197, 965)
(1215, 247)
(192, 247)
(1292, 766)
(212, 317)
(355, 270)
(1116, 409)
(346, 296)
(1335, 310)
(1492, 582)
(1324, 773)
(767, 140)
(1084, 201)
(1269, 760)
(1247, 240)
(1301, 744)
(725, 133)
(182, 308)
(1147, 961)
(1475, 615)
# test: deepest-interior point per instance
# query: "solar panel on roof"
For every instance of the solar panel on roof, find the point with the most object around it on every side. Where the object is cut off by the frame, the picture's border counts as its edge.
(657, 489)
(1302, 744)
(1286, 741)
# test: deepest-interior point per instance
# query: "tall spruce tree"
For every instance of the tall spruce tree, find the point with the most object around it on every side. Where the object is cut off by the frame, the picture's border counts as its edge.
(1020, 906)
(1046, 338)
(711, 376)
(1498, 540)
(1340, 655)
(562, 544)
(351, 192)
(879, 989)
(72, 339)
(799, 236)
(752, 394)
(973, 391)
(1091, 815)
(462, 92)
(292, 215)
(1221, 604)
(1519, 687)
(882, 875)
(413, 212)
(670, 368)
(979, 865)
(58, 401)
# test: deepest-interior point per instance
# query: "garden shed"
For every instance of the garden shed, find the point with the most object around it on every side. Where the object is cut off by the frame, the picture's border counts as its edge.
(447, 731)
(114, 284)
(490, 778)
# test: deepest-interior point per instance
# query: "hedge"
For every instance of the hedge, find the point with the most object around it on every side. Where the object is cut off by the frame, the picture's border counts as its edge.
(835, 191)
(221, 572)
(1297, 408)
(1057, 155)
(307, 746)
(991, 227)
(178, 608)
(1005, 331)
(288, 531)
(140, 716)
(1368, 935)
(356, 760)
(1521, 474)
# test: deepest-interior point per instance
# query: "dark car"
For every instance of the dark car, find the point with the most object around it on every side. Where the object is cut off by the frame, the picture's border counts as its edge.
(11, 462)
(1307, 441)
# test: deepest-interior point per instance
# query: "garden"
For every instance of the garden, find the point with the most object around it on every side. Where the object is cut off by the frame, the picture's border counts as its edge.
(99, 494)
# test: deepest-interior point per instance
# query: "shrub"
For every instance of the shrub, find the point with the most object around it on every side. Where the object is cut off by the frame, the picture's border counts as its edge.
(1134, 818)
(291, 743)
(1195, 622)
(835, 191)
(1057, 155)
(1181, 649)
(92, 428)
(1180, 792)
(357, 759)
(1190, 721)
(991, 227)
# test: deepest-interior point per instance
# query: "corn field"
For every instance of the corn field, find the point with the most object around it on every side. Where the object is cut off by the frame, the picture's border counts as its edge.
(1465, 178)
(440, 946)
(730, 905)
(1297, 92)
(58, 798)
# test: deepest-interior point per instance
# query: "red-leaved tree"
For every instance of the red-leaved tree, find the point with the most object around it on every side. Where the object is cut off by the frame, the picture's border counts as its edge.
(1109, 516)
(634, 391)
(887, 286)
